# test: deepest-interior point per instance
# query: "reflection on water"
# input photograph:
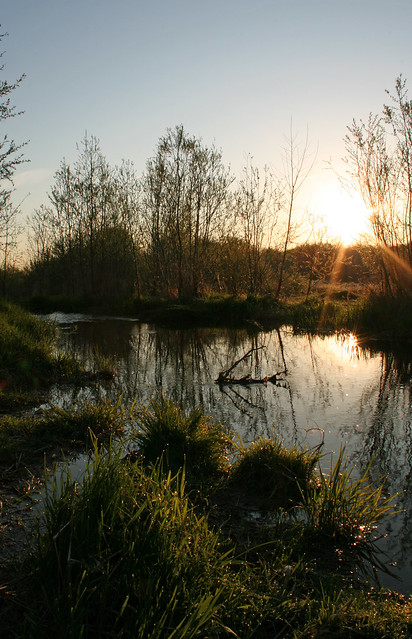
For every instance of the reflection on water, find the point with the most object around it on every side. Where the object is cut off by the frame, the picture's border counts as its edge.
(334, 390)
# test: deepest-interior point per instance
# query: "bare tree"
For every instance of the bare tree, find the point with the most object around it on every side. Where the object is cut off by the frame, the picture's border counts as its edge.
(256, 209)
(10, 158)
(297, 165)
(9, 231)
(10, 152)
(379, 159)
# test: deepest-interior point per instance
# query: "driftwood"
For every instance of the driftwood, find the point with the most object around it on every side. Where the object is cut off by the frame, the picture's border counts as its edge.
(225, 378)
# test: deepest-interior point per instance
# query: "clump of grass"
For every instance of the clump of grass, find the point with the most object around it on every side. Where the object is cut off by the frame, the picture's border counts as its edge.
(270, 476)
(123, 554)
(30, 436)
(340, 514)
(165, 430)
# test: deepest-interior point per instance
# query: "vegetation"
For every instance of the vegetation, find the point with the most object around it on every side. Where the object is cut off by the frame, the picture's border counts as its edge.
(379, 155)
(165, 431)
(57, 429)
(269, 476)
(124, 551)
(172, 531)
(28, 358)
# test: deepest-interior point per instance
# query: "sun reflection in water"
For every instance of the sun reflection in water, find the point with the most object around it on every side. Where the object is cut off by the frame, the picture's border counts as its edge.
(346, 347)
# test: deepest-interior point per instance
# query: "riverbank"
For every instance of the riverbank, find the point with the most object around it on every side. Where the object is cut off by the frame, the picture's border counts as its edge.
(352, 308)
(211, 559)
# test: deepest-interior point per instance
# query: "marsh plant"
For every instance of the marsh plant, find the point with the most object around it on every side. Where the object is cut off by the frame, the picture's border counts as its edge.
(341, 513)
(182, 438)
(123, 554)
(270, 476)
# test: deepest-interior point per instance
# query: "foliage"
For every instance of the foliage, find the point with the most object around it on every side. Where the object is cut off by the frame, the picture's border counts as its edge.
(166, 431)
(271, 476)
(27, 351)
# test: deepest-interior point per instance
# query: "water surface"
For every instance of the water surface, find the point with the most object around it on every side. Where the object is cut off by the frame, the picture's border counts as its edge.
(330, 389)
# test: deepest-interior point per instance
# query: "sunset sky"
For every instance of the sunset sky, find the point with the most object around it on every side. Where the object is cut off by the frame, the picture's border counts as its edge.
(234, 72)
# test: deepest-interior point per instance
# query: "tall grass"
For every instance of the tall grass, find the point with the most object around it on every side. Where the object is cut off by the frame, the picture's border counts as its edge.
(123, 554)
(340, 514)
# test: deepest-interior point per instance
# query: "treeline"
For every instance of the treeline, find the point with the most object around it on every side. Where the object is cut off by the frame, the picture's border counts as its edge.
(183, 228)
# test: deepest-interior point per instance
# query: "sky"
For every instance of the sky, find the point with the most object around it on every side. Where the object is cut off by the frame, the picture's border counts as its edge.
(236, 73)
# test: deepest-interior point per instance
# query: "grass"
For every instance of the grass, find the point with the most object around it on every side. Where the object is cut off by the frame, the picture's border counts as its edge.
(28, 359)
(126, 552)
(165, 430)
(341, 513)
(330, 308)
(123, 554)
(27, 438)
(270, 476)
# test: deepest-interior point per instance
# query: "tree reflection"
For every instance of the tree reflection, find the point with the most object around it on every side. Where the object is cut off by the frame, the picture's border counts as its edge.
(348, 392)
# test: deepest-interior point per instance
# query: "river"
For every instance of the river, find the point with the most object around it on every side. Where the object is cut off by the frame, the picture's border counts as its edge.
(334, 389)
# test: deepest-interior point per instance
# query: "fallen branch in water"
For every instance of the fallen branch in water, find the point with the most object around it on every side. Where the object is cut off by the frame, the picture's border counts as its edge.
(224, 377)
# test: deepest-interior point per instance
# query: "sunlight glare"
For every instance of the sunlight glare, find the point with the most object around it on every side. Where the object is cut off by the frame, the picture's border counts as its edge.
(344, 214)
(346, 347)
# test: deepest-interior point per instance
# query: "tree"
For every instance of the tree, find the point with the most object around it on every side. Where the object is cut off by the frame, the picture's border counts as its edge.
(379, 159)
(9, 232)
(185, 190)
(10, 158)
(10, 151)
(256, 207)
(296, 168)
(85, 241)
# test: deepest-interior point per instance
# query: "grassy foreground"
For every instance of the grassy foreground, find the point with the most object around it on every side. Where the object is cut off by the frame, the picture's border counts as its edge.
(179, 533)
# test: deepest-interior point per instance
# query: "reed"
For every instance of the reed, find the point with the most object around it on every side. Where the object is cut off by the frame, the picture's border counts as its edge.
(340, 515)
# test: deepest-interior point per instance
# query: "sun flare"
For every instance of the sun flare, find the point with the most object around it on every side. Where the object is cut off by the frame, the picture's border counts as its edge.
(344, 215)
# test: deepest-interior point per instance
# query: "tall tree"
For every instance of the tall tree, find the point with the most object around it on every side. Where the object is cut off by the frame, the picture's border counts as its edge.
(87, 236)
(184, 189)
(256, 207)
(10, 151)
(296, 168)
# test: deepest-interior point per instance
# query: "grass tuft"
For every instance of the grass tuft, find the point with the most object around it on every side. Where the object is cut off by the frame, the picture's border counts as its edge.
(165, 430)
(271, 476)
(123, 554)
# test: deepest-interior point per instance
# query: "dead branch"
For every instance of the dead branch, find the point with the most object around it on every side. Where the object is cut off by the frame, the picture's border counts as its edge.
(224, 377)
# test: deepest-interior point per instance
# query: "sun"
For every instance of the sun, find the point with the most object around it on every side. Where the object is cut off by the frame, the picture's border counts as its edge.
(344, 214)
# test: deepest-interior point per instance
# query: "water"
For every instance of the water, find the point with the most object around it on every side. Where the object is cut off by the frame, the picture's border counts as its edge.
(330, 389)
